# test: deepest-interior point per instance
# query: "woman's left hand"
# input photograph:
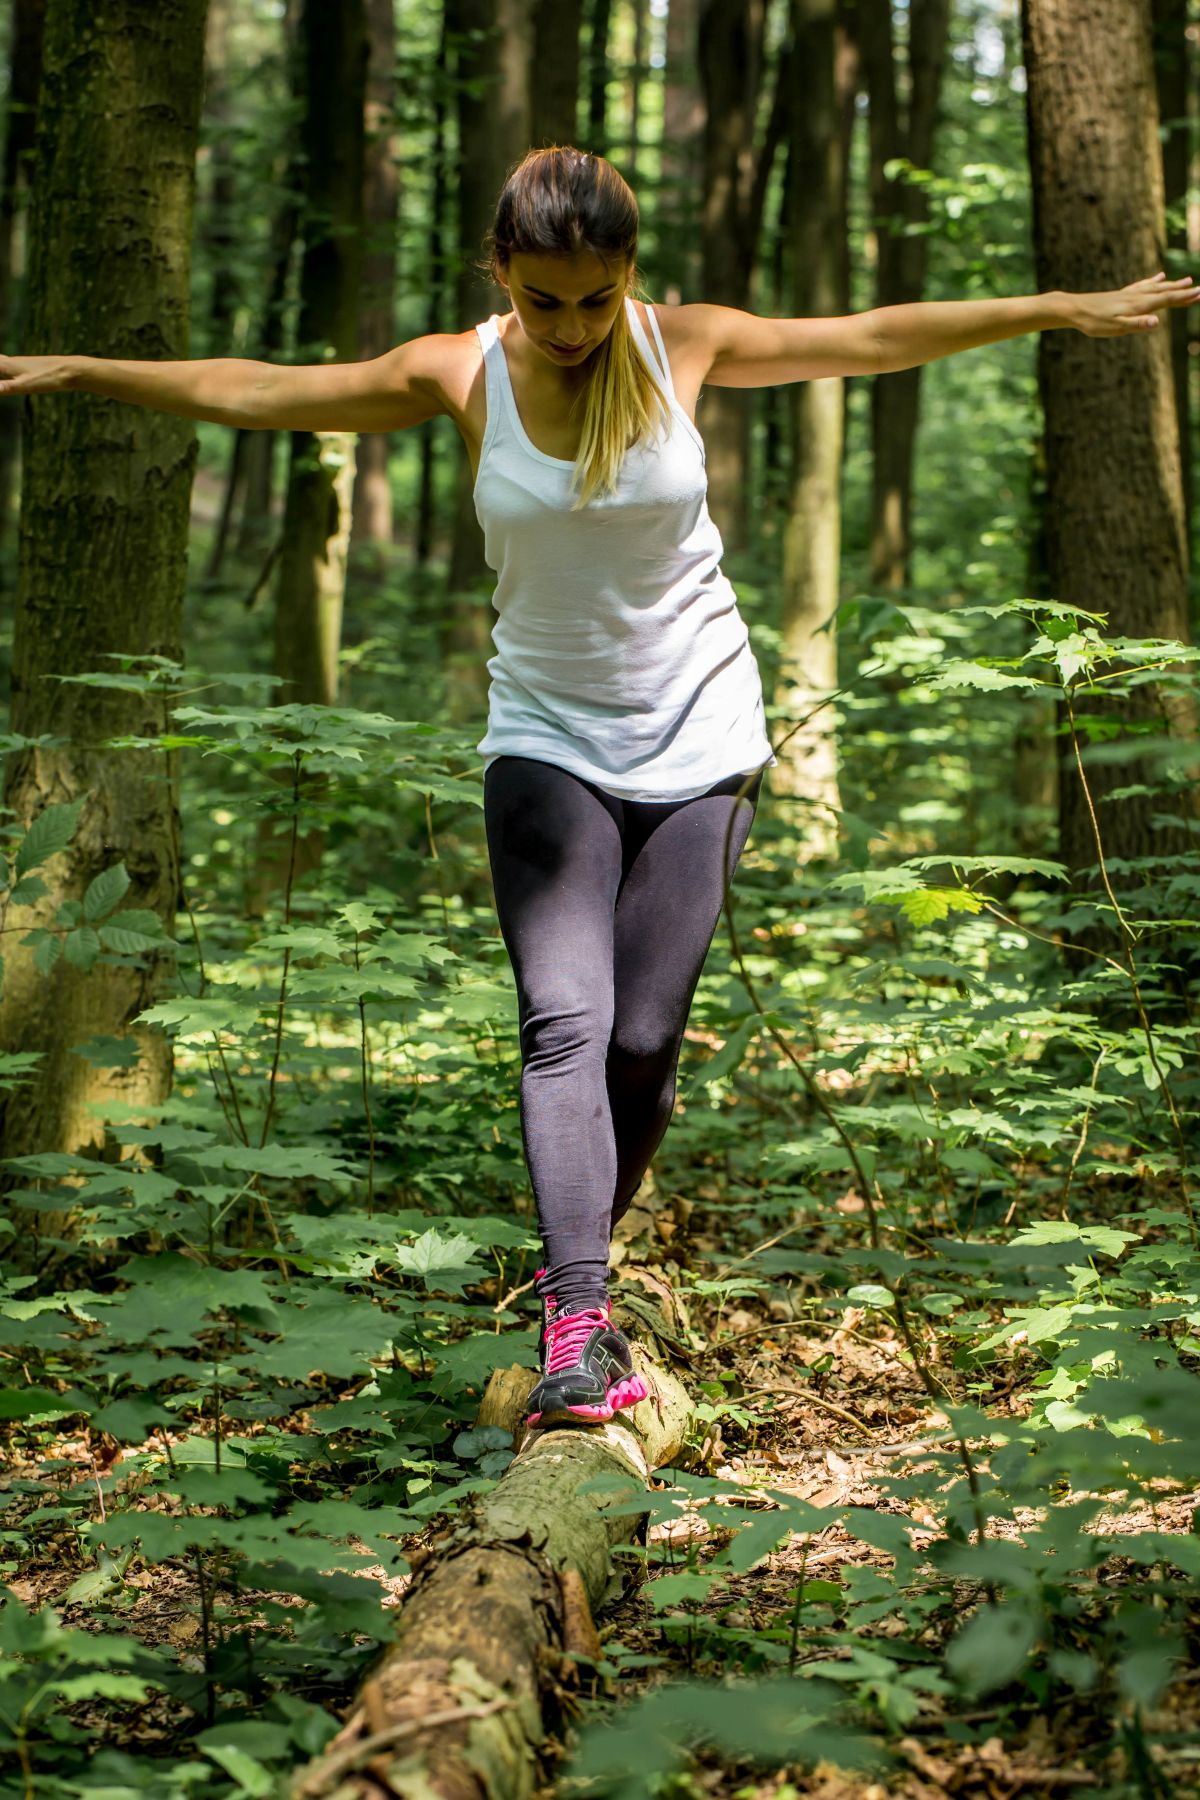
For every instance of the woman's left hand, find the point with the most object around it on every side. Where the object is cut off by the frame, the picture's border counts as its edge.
(1134, 308)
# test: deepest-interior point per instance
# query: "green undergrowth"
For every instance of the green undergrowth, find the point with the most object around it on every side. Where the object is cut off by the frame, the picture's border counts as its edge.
(244, 1347)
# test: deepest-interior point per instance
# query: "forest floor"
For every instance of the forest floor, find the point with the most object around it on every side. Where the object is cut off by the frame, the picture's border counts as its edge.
(871, 1420)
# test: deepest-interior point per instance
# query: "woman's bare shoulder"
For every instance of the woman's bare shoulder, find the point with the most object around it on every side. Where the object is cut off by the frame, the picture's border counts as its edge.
(448, 362)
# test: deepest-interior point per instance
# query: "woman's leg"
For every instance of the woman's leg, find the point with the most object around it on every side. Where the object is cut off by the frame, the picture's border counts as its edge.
(555, 846)
(666, 916)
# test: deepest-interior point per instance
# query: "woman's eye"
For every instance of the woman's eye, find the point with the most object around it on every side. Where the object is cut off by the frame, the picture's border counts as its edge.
(545, 305)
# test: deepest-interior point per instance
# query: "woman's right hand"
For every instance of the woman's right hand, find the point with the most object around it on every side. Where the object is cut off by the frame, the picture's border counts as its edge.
(37, 374)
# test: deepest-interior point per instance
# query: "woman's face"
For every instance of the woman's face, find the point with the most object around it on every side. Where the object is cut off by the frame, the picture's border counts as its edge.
(566, 304)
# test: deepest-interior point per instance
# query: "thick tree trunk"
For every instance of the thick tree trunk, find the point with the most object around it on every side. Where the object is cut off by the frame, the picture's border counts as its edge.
(311, 571)
(103, 537)
(1114, 519)
(494, 1612)
(25, 74)
(493, 93)
(372, 518)
(812, 538)
(554, 99)
(895, 398)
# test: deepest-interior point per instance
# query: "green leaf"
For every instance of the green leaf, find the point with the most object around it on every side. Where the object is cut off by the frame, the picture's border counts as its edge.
(82, 947)
(254, 1778)
(104, 891)
(49, 949)
(432, 1253)
(1062, 1231)
(49, 833)
(926, 905)
(99, 1684)
(980, 675)
(992, 1647)
(36, 1402)
(870, 1293)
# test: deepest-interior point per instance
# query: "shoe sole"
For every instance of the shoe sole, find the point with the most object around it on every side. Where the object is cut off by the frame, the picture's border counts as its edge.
(621, 1394)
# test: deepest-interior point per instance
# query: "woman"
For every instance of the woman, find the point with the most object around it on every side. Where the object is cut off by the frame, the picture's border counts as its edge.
(626, 740)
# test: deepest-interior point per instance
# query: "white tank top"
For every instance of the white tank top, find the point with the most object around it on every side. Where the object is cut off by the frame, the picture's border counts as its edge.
(620, 652)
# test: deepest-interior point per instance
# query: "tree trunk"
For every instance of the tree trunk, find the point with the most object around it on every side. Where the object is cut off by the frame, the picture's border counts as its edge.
(679, 233)
(372, 516)
(493, 93)
(252, 459)
(812, 536)
(311, 576)
(730, 56)
(258, 449)
(637, 75)
(218, 232)
(554, 98)
(598, 71)
(848, 80)
(495, 1610)
(901, 261)
(103, 538)
(1173, 76)
(25, 74)
(218, 216)
(1114, 515)
(435, 309)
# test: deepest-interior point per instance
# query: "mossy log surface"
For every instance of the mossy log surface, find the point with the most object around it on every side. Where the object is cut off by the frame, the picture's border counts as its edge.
(458, 1707)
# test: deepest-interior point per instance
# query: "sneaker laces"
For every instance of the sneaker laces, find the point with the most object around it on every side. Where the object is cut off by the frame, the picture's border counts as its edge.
(567, 1336)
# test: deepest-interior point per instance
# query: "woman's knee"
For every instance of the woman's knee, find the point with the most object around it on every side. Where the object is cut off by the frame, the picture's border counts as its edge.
(565, 1027)
(644, 1047)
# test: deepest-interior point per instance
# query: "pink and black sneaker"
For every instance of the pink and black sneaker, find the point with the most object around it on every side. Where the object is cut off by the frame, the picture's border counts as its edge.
(587, 1368)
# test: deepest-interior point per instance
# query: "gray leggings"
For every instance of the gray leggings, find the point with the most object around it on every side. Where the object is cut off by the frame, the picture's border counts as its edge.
(607, 908)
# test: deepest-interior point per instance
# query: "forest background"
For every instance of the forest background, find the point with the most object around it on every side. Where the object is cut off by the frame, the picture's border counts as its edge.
(927, 1203)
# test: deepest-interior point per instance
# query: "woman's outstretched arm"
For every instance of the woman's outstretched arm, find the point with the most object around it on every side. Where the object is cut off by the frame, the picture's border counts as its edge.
(748, 351)
(386, 393)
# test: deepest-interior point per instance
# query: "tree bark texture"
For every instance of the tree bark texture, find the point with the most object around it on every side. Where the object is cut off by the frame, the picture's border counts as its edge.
(1115, 534)
(731, 59)
(460, 1704)
(435, 311)
(812, 536)
(24, 80)
(218, 213)
(1174, 78)
(312, 565)
(372, 520)
(495, 42)
(598, 73)
(554, 98)
(103, 535)
(679, 232)
(902, 257)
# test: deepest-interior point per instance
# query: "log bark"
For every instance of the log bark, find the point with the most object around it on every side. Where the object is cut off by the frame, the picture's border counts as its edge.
(500, 1605)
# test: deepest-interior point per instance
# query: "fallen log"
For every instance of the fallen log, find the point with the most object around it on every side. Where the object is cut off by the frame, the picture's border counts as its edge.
(497, 1607)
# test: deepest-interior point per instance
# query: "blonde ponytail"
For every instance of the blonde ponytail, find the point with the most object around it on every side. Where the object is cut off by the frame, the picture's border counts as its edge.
(622, 402)
(559, 201)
